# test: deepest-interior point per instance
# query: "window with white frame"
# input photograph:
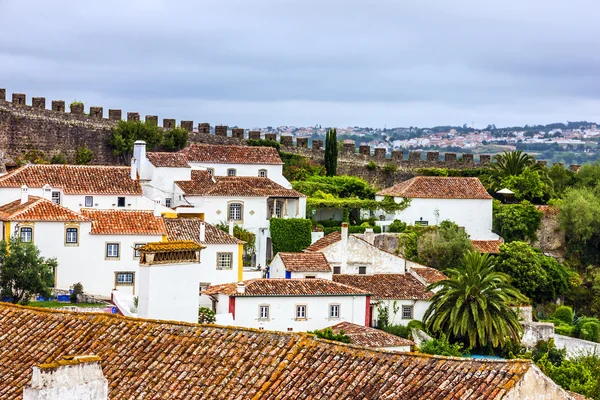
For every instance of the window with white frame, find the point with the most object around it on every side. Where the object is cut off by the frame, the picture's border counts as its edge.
(26, 234)
(56, 197)
(168, 202)
(262, 173)
(71, 235)
(231, 172)
(407, 312)
(124, 278)
(301, 311)
(224, 260)
(136, 249)
(89, 201)
(263, 312)
(235, 211)
(276, 211)
(112, 250)
(334, 311)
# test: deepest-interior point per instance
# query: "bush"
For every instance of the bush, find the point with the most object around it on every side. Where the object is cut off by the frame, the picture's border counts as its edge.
(371, 166)
(577, 331)
(416, 324)
(564, 329)
(83, 156)
(442, 347)
(328, 334)
(376, 229)
(563, 314)
(390, 167)
(590, 331)
(264, 143)
(291, 235)
(398, 330)
(397, 226)
(58, 159)
(516, 221)
(77, 291)
(206, 316)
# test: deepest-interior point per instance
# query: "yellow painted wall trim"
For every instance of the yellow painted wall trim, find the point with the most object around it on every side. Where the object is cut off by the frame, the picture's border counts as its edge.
(240, 262)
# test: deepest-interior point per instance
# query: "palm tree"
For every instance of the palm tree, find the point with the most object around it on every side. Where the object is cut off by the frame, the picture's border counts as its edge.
(474, 303)
(514, 163)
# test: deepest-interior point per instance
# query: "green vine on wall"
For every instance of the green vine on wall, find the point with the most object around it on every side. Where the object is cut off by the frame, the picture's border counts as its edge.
(290, 234)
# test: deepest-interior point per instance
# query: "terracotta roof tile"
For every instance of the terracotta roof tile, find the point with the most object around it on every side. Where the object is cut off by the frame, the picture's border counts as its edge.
(286, 287)
(161, 247)
(124, 222)
(178, 361)
(231, 154)
(487, 246)
(38, 209)
(167, 160)
(429, 275)
(324, 242)
(369, 337)
(305, 262)
(387, 286)
(189, 229)
(203, 184)
(438, 187)
(74, 179)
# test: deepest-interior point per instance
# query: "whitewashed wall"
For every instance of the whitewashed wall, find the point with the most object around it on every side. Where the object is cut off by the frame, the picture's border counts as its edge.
(161, 183)
(419, 308)
(208, 264)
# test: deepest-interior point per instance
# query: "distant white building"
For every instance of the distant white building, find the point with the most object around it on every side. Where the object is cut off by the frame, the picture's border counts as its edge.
(434, 199)
(300, 265)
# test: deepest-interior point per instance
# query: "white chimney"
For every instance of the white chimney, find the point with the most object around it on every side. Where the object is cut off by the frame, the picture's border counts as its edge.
(139, 153)
(47, 192)
(24, 194)
(231, 227)
(157, 207)
(133, 169)
(73, 377)
(241, 288)
(369, 235)
(202, 232)
(344, 249)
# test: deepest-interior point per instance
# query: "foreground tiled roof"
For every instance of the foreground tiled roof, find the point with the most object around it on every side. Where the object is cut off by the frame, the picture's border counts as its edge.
(369, 337)
(189, 229)
(305, 262)
(144, 359)
(429, 275)
(287, 287)
(167, 160)
(124, 222)
(438, 187)
(75, 179)
(203, 184)
(38, 209)
(231, 154)
(325, 241)
(487, 246)
(387, 286)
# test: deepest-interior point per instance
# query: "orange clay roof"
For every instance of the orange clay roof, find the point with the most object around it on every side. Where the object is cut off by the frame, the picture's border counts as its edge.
(438, 187)
(487, 246)
(75, 179)
(203, 184)
(189, 229)
(180, 361)
(161, 247)
(124, 222)
(38, 209)
(167, 160)
(286, 287)
(369, 337)
(325, 241)
(430, 275)
(387, 286)
(304, 262)
(231, 154)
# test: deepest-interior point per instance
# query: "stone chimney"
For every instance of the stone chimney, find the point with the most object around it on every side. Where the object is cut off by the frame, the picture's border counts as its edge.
(139, 153)
(24, 194)
(202, 231)
(369, 235)
(241, 288)
(344, 249)
(71, 378)
(47, 192)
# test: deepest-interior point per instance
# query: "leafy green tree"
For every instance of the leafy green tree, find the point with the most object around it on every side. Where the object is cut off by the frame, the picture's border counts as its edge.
(443, 347)
(23, 272)
(206, 316)
(127, 132)
(474, 304)
(580, 374)
(516, 221)
(527, 186)
(343, 186)
(58, 159)
(445, 247)
(397, 226)
(328, 334)
(588, 175)
(561, 177)
(83, 156)
(331, 152)
(564, 314)
(537, 276)
(175, 139)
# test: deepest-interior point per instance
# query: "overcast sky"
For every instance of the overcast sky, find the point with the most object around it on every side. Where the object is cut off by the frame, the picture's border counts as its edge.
(254, 63)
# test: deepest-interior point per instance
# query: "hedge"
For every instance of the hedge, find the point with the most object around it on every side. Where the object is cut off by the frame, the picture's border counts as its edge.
(291, 234)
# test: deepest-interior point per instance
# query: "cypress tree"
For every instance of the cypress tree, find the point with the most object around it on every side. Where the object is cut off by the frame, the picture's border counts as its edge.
(331, 152)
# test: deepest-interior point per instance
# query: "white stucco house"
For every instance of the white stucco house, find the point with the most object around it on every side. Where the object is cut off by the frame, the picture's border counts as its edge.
(300, 265)
(289, 304)
(434, 199)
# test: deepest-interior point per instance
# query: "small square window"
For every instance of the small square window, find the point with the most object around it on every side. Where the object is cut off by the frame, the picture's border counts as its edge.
(334, 311)
(407, 312)
(211, 171)
(89, 201)
(71, 235)
(231, 172)
(124, 278)
(337, 270)
(262, 173)
(362, 270)
(26, 234)
(263, 312)
(136, 249)
(224, 260)
(301, 312)
(56, 197)
(168, 202)
(120, 201)
(112, 250)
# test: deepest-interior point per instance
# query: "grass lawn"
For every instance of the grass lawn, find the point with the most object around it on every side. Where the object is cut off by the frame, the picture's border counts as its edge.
(57, 304)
